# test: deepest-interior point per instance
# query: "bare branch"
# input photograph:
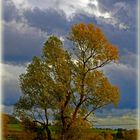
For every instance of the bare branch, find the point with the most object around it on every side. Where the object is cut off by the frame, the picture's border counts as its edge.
(99, 66)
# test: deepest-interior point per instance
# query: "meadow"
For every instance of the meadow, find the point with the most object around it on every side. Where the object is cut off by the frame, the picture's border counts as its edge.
(14, 130)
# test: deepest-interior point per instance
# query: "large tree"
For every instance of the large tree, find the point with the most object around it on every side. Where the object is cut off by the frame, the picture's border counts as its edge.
(68, 85)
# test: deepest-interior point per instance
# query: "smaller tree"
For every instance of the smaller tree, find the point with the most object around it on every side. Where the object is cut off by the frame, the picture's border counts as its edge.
(33, 128)
(35, 102)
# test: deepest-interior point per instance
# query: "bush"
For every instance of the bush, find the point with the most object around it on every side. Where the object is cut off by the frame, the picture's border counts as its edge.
(131, 135)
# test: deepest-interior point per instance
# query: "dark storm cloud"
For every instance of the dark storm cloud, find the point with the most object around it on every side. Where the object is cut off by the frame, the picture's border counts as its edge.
(124, 11)
(11, 93)
(124, 76)
(25, 38)
(21, 42)
(83, 18)
(125, 40)
(25, 32)
(10, 12)
(110, 3)
(49, 20)
(55, 22)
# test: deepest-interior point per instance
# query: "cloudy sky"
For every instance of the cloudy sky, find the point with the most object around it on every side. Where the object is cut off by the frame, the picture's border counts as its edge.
(28, 23)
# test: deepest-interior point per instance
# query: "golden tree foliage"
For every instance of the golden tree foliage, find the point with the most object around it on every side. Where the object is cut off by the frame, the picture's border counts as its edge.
(92, 43)
(92, 51)
(71, 86)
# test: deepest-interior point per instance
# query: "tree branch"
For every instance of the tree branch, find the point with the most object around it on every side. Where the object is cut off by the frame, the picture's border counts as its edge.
(101, 65)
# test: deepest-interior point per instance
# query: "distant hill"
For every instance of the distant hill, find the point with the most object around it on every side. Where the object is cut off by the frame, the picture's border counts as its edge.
(11, 119)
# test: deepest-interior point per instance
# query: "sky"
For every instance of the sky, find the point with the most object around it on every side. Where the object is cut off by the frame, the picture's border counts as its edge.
(28, 23)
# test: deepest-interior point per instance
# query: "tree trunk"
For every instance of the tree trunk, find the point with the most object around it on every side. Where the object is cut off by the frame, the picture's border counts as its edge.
(48, 133)
(63, 127)
(62, 136)
(47, 126)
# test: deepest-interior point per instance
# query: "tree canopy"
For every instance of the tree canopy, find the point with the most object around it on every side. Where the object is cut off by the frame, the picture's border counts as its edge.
(64, 88)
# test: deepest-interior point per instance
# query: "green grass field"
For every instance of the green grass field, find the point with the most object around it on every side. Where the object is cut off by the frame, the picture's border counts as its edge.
(104, 131)
(15, 127)
(17, 131)
(18, 128)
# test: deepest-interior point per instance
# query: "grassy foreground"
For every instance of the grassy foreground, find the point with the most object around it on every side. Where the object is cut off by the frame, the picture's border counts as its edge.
(16, 132)
(13, 130)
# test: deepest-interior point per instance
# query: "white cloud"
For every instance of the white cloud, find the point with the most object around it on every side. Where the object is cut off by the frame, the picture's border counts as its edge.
(62, 38)
(10, 82)
(130, 59)
(89, 7)
(96, 10)
(123, 26)
(11, 72)
(24, 29)
(122, 70)
(70, 8)
(117, 118)
(22, 41)
(21, 4)
(7, 109)
(119, 5)
(121, 15)
(117, 112)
